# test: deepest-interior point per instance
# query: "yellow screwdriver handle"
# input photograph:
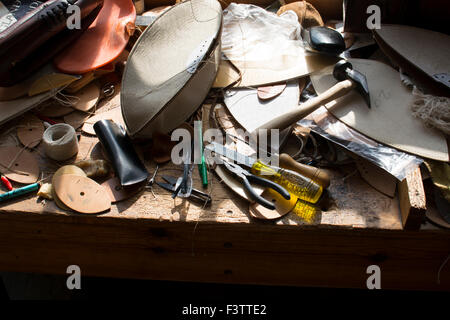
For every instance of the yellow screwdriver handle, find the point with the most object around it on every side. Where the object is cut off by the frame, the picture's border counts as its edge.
(316, 174)
(302, 187)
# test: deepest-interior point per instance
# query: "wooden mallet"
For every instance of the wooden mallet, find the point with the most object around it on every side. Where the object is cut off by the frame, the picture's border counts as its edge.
(349, 79)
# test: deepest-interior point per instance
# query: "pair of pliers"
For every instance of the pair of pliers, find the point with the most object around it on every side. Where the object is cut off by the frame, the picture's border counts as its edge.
(248, 177)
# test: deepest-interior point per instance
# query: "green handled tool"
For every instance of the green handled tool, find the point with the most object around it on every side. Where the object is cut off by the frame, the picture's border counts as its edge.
(202, 165)
(302, 187)
(18, 192)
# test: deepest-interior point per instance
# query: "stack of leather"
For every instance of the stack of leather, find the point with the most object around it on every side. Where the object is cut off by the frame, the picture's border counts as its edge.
(40, 34)
(48, 46)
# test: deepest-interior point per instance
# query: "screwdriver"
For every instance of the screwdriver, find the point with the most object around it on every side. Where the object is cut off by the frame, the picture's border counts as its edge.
(295, 183)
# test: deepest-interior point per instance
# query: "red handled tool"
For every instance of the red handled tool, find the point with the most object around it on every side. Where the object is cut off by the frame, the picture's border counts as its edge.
(6, 183)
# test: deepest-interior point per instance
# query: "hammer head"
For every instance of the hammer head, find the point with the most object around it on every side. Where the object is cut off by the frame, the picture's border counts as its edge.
(343, 70)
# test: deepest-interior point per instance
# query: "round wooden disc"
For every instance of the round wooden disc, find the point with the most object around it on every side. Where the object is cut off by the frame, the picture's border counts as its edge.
(26, 167)
(116, 191)
(30, 131)
(88, 97)
(269, 92)
(282, 206)
(82, 194)
(69, 169)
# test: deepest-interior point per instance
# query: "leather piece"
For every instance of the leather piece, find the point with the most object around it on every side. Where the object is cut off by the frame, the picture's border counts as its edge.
(307, 15)
(390, 120)
(121, 153)
(44, 79)
(19, 164)
(375, 176)
(81, 194)
(13, 108)
(263, 48)
(37, 37)
(250, 112)
(421, 60)
(102, 42)
(161, 87)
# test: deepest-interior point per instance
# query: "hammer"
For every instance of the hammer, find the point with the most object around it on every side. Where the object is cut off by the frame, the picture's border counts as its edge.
(349, 79)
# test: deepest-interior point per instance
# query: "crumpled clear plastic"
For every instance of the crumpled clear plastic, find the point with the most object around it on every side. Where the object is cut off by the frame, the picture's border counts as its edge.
(395, 162)
(253, 34)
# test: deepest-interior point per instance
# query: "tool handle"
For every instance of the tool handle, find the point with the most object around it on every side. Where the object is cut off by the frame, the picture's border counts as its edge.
(256, 197)
(315, 174)
(270, 184)
(6, 183)
(18, 192)
(285, 120)
(203, 172)
(299, 185)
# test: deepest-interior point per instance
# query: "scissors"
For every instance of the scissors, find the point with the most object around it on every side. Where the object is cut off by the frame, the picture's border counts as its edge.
(247, 177)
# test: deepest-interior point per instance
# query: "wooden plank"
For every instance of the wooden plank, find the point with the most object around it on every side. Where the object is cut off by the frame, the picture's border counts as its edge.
(257, 253)
(412, 200)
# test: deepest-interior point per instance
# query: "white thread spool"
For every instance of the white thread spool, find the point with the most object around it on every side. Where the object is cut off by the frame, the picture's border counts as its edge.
(60, 142)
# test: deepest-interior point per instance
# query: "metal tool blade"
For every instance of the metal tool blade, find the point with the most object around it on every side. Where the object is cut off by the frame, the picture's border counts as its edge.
(231, 154)
(361, 85)
(167, 186)
(177, 187)
(343, 70)
(170, 179)
(196, 194)
(144, 20)
(173, 181)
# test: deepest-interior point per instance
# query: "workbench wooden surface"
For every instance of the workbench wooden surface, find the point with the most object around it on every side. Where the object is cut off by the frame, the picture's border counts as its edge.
(156, 237)
(354, 203)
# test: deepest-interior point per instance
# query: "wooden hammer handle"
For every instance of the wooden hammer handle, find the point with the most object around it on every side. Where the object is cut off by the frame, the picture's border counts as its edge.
(315, 174)
(285, 120)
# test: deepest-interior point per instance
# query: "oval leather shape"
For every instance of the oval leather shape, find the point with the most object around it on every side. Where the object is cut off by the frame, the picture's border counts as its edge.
(87, 97)
(81, 194)
(30, 131)
(24, 168)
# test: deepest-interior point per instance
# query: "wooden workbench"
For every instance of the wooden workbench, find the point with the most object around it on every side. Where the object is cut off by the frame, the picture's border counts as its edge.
(161, 238)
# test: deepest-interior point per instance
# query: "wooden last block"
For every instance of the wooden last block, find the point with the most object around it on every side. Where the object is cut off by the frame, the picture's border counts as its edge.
(412, 200)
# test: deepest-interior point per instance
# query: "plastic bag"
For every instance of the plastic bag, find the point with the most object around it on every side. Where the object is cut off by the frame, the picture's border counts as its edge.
(251, 33)
(395, 162)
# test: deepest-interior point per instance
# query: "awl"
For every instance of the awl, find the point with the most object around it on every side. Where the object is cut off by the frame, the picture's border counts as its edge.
(296, 184)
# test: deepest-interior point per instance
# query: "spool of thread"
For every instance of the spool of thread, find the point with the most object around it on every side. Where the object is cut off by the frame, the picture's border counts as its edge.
(60, 142)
